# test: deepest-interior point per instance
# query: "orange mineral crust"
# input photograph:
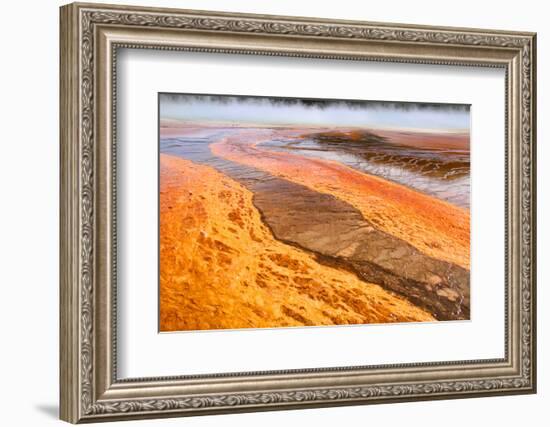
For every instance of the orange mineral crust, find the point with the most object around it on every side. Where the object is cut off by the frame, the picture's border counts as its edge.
(435, 227)
(221, 267)
(428, 140)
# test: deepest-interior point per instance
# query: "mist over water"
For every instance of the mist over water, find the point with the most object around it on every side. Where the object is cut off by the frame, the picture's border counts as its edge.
(314, 112)
(349, 132)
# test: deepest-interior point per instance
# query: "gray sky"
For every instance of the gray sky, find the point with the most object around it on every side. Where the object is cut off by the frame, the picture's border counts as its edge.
(296, 111)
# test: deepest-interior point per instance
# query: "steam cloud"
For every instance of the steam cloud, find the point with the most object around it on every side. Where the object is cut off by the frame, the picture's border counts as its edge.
(314, 112)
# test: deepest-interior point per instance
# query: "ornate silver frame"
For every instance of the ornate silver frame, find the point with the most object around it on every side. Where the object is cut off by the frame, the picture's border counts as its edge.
(90, 36)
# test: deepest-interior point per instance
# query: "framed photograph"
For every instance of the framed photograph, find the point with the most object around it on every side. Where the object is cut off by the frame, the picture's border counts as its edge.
(266, 212)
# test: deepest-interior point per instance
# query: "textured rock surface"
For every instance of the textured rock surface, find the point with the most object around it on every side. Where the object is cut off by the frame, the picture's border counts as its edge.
(352, 231)
(221, 267)
(336, 230)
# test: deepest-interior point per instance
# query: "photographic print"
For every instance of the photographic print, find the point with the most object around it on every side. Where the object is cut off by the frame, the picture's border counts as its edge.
(292, 212)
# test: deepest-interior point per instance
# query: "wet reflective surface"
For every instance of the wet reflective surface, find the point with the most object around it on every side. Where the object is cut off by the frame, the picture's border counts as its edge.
(441, 172)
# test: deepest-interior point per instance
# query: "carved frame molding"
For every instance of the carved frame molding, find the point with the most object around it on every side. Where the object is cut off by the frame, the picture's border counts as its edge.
(90, 390)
